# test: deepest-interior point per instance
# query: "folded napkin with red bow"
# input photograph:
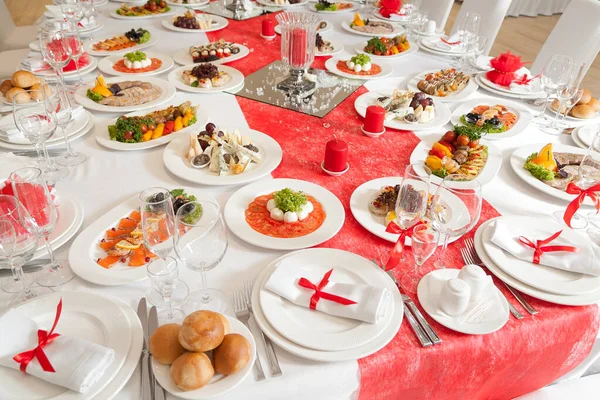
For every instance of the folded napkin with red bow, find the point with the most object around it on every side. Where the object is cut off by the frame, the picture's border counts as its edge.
(505, 70)
(37, 64)
(389, 7)
(316, 288)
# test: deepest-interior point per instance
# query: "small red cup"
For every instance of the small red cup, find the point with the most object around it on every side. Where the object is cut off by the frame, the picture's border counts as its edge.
(268, 29)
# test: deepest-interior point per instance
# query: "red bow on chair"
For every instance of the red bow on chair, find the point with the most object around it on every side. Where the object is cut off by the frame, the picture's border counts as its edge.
(319, 294)
(44, 339)
(399, 246)
(540, 247)
(591, 192)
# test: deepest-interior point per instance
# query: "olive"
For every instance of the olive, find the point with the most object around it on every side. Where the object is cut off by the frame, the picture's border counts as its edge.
(494, 121)
(200, 161)
(177, 203)
(221, 134)
(159, 197)
(210, 128)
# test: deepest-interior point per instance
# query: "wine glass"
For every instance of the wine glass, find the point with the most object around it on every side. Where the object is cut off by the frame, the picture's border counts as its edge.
(30, 187)
(62, 114)
(164, 276)
(201, 243)
(158, 221)
(424, 241)
(468, 32)
(477, 49)
(18, 246)
(554, 76)
(455, 209)
(567, 97)
(8, 241)
(73, 11)
(55, 50)
(76, 46)
(37, 125)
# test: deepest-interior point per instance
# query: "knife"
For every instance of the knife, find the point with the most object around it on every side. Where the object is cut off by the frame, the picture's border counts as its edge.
(145, 388)
(26, 270)
(159, 392)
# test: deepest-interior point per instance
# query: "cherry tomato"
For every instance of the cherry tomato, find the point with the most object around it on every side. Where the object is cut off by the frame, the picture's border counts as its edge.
(128, 135)
(463, 140)
(474, 144)
(151, 127)
(124, 117)
(449, 137)
(144, 128)
(163, 4)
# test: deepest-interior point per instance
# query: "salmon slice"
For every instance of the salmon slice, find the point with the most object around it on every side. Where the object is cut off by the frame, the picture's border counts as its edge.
(138, 257)
(117, 233)
(480, 109)
(127, 223)
(135, 215)
(108, 244)
(109, 261)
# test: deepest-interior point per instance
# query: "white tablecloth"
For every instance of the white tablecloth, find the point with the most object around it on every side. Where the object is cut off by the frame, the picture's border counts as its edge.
(110, 177)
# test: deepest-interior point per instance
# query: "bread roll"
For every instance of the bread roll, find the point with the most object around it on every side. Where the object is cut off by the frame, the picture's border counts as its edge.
(164, 343)
(36, 91)
(191, 371)
(232, 355)
(5, 86)
(585, 98)
(555, 104)
(226, 328)
(595, 104)
(24, 79)
(20, 95)
(201, 331)
(583, 111)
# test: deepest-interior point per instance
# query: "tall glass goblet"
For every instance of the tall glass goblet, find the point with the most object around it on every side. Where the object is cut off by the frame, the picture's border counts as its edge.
(424, 241)
(73, 11)
(567, 97)
(8, 241)
(468, 31)
(201, 243)
(158, 221)
(455, 209)
(554, 76)
(55, 50)
(76, 46)
(164, 276)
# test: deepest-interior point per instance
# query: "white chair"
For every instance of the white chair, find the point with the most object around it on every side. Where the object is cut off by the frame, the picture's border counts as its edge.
(576, 34)
(492, 15)
(11, 36)
(437, 10)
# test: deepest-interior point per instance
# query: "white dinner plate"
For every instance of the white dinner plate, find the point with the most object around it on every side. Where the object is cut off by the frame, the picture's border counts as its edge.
(84, 315)
(535, 93)
(70, 74)
(237, 204)
(397, 31)
(355, 6)
(107, 63)
(455, 96)
(168, 92)
(89, 44)
(183, 56)
(435, 44)
(220, 24)
(392, 18)
(577, 139)
(539, 276)
(270, 3)
(477, 319)
(523, 115)
(359, 206)
(484, 234)
(174, 78)
(317, 330)
(435, 50)
(442, 112)
(200, 4)
(325, 356)
(331, 66)
(103, 137)
(219, 384)
(337, 48)
(517, 160)
(587, 133)
(327, 28)
(114, 14)
(412, 49)
(522, 96)
(486, 175)
(178, 165)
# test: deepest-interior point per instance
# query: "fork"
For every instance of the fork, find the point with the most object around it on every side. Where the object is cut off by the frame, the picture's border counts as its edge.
(241, 312)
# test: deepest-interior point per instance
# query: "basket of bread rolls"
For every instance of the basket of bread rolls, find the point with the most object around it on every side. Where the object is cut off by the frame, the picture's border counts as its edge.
(16, 88)
(585, 108)
(205, 356)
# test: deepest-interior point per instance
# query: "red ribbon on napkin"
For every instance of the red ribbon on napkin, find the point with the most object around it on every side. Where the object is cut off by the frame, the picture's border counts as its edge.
(449, 43)
(319, 294)
(399, 246)
(524, 80)
(591, 192)
(44, 339)
(540, 246)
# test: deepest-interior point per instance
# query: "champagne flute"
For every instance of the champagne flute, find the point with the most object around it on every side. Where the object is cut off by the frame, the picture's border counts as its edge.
(201, 243)
(555, 76)
(164, 276)
(76, 46)
(567, 97)
(8, 241)
(424, 241)
(468, 31)
(73, 11)
(455, 209)
(55, 51)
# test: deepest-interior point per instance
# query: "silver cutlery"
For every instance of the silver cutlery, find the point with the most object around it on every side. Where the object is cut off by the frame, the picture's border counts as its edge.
(145, 388)
(27, 269)
(158, 392)
(241, 312)
(270, 350)
(33, 153)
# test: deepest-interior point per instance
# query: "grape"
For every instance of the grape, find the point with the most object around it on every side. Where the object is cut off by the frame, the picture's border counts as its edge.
(210, 128)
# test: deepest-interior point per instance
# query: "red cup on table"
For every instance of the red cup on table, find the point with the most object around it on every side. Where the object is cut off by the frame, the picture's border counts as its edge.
(336, 157)
(373, 125)
(268, 29)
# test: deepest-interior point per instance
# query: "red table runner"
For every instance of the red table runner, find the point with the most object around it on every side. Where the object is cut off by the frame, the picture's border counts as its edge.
(521, 357)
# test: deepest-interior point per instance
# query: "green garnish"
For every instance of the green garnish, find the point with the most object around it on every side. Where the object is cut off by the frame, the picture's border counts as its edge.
(537, 171)
(135, 56)
(288, 200)
(323, 5)
(194, 84)
(193, 120)
(442, 173)
(182, 193)
(487, 127)
(473, 132)
(124, 125)
(193, 212)
(94, 96)
(361, 59)
(377, 45)
(145, 36)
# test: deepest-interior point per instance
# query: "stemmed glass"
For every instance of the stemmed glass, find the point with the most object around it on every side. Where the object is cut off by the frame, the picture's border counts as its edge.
(37, 125)
(72, 11)
(201, 243)
(158, 221)
(62, 114)
(554, 77)
(567, 97)
(55, 51)
(424, 241)
(75, 44)
(164, 276)
(8, 240)
(30, 187)
(468, 31)
(476, 51)
(455, 209)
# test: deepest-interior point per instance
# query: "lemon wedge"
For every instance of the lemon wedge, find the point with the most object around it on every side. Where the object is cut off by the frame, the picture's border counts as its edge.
(123, 244)
(389, 217)
(136, 232)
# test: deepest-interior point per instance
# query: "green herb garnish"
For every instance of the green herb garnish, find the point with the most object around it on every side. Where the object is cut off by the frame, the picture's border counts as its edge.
(94, 96)
(135, 56)
(376, 45)
(442, 173)
(473, 132)
(361, 59)
(288, 200)
(133, 125)
(487, 127)
(537, 171)
(323, 5)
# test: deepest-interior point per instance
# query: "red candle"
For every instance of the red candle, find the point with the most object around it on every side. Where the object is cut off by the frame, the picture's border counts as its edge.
(336, 155)
(268, 29)
(298, 53)
(374, 119)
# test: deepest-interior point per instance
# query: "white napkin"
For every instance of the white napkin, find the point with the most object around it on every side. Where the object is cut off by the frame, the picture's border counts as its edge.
(77, 362)
(585, 261)
(10, 163)
(437, 42)
(371, 302)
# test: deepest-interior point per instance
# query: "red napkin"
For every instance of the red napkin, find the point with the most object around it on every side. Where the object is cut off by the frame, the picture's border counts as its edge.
(505, 66)
(389, 7)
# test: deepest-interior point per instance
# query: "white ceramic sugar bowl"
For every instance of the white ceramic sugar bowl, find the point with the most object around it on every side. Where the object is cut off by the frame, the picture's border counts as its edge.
(455, 297)
(476, 278)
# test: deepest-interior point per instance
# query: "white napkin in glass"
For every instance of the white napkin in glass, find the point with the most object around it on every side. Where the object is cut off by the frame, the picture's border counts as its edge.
(585, 261)
(77, 362)
(371, 302)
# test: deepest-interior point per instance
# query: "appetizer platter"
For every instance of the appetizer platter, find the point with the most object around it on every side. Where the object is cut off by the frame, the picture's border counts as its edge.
(137, 63)
(132, 40)
(459, 151)
(588, 107)
(282, 3)
(444, 85)
(405, 109)
(219, 52)
(122, 95)
(357, 67)
(284, 214)
(494, 119)
(151, 128)
(324, 6)
(387, 48)
(369, 27)
(205, 78)
(151, 9)
(218, 157)
(110, 251)
(188, 3)
(324, 47)
(323, 27)
(549, 167)
(192, 22)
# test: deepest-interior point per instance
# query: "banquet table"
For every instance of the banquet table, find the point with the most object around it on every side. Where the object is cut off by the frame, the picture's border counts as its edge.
(533, 352)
